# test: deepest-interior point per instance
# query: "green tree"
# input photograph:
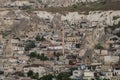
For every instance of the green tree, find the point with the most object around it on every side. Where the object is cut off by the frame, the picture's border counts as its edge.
(42, 38)
(118, 34)
(37, 38)
(77, 45)
(33, 54)
(106, 79)
(47, 77)
(26, 7)
(63, 76)
(115, 26)
(99, 46)
(43, 58)
(39, 1)
(56, 55)
(21, 74)
(29, 45)
(36, 76)
(72, 69)
(75, 6)
(30, 73)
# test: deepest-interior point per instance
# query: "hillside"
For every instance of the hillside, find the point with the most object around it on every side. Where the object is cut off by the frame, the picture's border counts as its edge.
(80, 7)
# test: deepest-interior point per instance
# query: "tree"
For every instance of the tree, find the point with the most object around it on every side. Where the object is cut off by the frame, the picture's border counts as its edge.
(33, 75)
(99, 46)
(56, 55)
(37, 38)
(25, 7)
(42, 38)
(29, 45)
(63, 76)
(30, 74)
(33, 54)
(77, 45)
(106, 79)
(43, 58)
(36, 76)
(118, 34)
(39, 1)
(45, 5)
(115, 26)
(47, 77)
(21, 74)
(103, 2)
(74, 6)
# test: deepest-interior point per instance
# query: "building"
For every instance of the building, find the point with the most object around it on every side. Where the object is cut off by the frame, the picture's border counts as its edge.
(89, 75)
(116, 70)
(77, 74)
(36, 68)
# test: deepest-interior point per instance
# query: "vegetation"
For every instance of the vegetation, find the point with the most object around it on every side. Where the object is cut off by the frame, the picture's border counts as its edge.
(38, 56)
(36, 76)
(26, 7)
(86, 7)
(116, 17)
(30, 73)
(72, 69)
(29, 45)
(6, 33)
(39, 38)
(33, 75)
(115, 26)
(79, 7)
(33, 55)
(118, 34)
(39, 1)
(106, 79)
(77, 45)
(47, 77)
(42, 57)
(63, 76)
(21, 74)
(57, 55)
(99, 46)
(60, 76)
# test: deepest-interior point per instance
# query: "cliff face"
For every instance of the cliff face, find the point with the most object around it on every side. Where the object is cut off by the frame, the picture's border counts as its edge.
(64, 3)
(22, 23)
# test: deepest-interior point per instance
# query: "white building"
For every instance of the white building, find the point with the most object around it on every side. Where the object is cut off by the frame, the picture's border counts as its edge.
(77, 74)
(36, 68)
(88, 75)
(111, 59)
(55, 47)
(116, 70)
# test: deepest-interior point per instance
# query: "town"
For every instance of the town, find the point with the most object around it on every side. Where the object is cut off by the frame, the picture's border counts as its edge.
(37, 44)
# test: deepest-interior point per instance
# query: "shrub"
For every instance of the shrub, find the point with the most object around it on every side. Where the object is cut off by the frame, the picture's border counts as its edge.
(29, 45)
(99, 46)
